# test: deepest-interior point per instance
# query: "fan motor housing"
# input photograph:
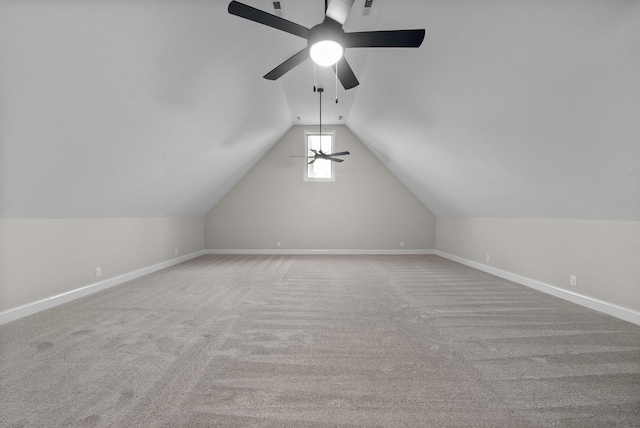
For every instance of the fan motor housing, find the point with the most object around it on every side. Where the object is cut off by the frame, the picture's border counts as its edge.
(327, 30)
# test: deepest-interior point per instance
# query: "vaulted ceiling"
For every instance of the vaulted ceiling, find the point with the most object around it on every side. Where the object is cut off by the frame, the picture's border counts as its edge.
(157, 107)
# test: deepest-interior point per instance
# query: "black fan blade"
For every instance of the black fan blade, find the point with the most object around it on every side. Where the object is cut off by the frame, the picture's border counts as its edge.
(384, 39)
(309, 157)
(312, 161)
(340, 154)
(345, 74)
(336, 160)
(257, 15)
(288, 65)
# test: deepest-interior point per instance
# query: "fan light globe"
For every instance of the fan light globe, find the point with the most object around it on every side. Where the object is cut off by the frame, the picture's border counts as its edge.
(326, 52)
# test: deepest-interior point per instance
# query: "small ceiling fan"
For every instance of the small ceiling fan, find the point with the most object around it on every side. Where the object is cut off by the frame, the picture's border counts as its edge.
(319, 154)
(327, 41)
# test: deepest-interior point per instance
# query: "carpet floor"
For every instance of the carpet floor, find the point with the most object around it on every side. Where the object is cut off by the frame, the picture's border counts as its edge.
(319, 341)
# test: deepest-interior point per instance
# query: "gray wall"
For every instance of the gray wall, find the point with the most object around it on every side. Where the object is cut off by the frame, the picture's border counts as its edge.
(605, 255)
(367, 207)
(46, 257)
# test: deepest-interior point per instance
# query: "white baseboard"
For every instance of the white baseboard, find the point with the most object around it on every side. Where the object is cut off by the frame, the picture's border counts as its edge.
(50, 302)
(621, 312)
(316, 252)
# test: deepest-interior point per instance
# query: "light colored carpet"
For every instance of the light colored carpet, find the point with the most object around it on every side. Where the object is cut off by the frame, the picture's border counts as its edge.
(315, 341)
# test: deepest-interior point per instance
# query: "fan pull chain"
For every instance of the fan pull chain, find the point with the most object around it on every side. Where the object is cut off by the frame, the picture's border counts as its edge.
(337, 82)
(320, 90)
(315, 80)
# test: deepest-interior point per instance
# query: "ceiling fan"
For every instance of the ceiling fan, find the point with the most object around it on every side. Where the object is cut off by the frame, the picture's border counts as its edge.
(327, 41)
(319, 154)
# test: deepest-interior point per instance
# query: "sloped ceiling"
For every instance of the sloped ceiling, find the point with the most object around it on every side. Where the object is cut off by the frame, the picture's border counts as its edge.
(156, 108)
(511, 108)
(129, 108)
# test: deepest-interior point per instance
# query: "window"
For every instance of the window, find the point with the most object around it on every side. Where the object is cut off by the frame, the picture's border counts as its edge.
(320, 169)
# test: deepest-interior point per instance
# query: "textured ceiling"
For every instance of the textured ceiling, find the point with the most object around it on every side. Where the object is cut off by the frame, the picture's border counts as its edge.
(156, 108)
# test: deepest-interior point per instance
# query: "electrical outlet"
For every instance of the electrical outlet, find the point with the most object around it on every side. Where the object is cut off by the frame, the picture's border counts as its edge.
(487, 257)
(278, 244)
(98, 271)
(401, 244)
(573, 280)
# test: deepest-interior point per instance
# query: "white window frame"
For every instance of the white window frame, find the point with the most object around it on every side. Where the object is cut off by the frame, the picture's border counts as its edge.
(305, 166)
